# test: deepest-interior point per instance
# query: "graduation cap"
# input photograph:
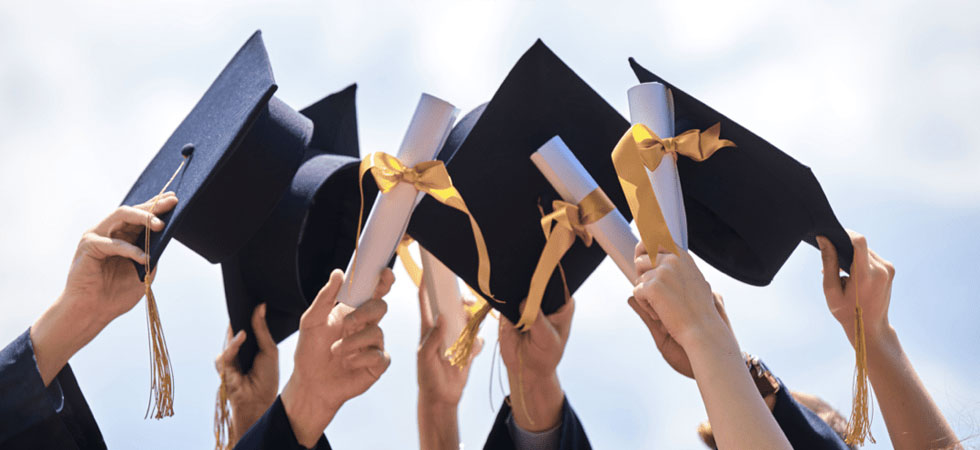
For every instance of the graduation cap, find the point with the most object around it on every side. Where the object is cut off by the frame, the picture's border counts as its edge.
(240, 147)
(747, 208)
(229, 163)
(488, 154)
(308, 235)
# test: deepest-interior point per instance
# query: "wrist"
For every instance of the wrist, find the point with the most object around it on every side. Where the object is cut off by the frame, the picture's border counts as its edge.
(308, 415)
(438, 407)
(62, 330)
(438, 426)
(709, 335)
(537, 402)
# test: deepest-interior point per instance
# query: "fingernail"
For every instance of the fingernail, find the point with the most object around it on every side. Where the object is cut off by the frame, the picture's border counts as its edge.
(240, 334)
(262, 310)
(157, 222)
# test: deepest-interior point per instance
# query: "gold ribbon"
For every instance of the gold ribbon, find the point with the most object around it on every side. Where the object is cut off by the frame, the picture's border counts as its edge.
(641, 149)
(432, 178)
(560, 227)
(413, 268)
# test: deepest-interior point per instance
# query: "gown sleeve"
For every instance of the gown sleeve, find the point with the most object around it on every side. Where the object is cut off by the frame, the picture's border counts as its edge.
(35, 416)
(274, 431)
(569, 435)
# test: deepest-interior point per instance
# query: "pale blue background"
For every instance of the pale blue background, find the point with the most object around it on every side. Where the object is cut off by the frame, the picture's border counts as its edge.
(880, 98)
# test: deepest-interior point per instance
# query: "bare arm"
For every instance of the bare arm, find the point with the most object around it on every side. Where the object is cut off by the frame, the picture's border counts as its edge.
(676, 297)
(912, 417)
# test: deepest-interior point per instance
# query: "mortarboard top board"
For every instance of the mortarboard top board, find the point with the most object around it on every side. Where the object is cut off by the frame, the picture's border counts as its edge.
(309, 233)
(488, 156)
(748, 207)
(244, 146)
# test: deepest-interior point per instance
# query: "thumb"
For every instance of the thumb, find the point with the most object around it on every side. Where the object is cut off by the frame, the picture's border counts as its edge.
(324, 302)
(831, 270)
(435, 337)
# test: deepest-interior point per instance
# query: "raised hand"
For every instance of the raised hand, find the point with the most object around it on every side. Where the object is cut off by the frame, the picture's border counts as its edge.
(102, 284)
(673, 298)
(870, 282)
(339, 355)
(249, 394)
(440, 383)
(532, 359)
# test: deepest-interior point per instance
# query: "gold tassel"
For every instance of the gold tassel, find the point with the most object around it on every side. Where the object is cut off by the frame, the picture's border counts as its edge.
(520, 383)
(859, 425)
(459, 352)
(222, 418)
(161, 401)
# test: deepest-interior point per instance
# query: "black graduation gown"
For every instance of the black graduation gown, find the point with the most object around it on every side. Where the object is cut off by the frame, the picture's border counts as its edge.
(571, 434)
(35, 416)
(274, 431)
(802, 427)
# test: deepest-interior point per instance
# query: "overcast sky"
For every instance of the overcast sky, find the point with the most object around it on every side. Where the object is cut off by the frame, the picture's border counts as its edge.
(881, 99)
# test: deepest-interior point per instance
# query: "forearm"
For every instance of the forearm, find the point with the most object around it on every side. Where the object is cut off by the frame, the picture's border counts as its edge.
(738, 415)
(438, 426)
(912, 418)
(60, 332)
(537, 403)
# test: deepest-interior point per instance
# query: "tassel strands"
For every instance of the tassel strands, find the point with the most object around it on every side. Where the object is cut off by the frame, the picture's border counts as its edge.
(222, 418)
(859, 424)
(459, 352)
(161, 401)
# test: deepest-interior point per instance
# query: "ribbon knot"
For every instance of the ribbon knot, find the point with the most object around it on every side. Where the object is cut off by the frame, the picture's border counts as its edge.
(641, 148)
(570, 221)
(568, 216)
(432, 178)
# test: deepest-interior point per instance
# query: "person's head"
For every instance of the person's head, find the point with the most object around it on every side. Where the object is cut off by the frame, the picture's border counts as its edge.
(819, 407)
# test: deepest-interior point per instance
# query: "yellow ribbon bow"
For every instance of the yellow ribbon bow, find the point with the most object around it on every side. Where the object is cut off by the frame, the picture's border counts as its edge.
(640, 149)
(432, 178)
(560, 227)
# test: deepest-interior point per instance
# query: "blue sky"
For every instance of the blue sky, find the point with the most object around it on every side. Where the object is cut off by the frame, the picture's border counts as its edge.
(879, 98)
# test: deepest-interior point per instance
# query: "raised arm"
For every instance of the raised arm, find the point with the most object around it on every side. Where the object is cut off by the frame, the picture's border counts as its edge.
(673, 287)
(440, 384)
(912, 417)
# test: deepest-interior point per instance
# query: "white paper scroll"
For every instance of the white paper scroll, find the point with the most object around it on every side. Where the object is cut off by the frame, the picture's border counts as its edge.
(566, 174)
(651, 104)
(442, 289)
(389, 217)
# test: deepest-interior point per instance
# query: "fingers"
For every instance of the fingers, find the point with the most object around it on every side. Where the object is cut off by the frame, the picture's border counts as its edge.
(226, 360)
(261, 329)
(101, 247)
(831, 269)
(166, 202)
(433, 340)
(561, 320)
(425, 311)
(643, 264)
(324, 302)
(640, 250)
(368, 337)
(375, 361)
(860, 262)
(385, 280)
(370, 313)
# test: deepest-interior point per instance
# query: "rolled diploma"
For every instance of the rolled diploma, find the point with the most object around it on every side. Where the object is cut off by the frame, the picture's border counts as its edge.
(442, 288)
(651, 104)
(570, 179)
(389, 217)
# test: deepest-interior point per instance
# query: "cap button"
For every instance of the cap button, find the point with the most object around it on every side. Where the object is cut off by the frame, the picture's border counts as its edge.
(187, 150)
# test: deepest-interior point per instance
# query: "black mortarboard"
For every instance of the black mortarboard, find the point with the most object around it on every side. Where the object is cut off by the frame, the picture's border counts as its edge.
(747, 207)
(244, 146)
(489, 160)
(309, 233)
